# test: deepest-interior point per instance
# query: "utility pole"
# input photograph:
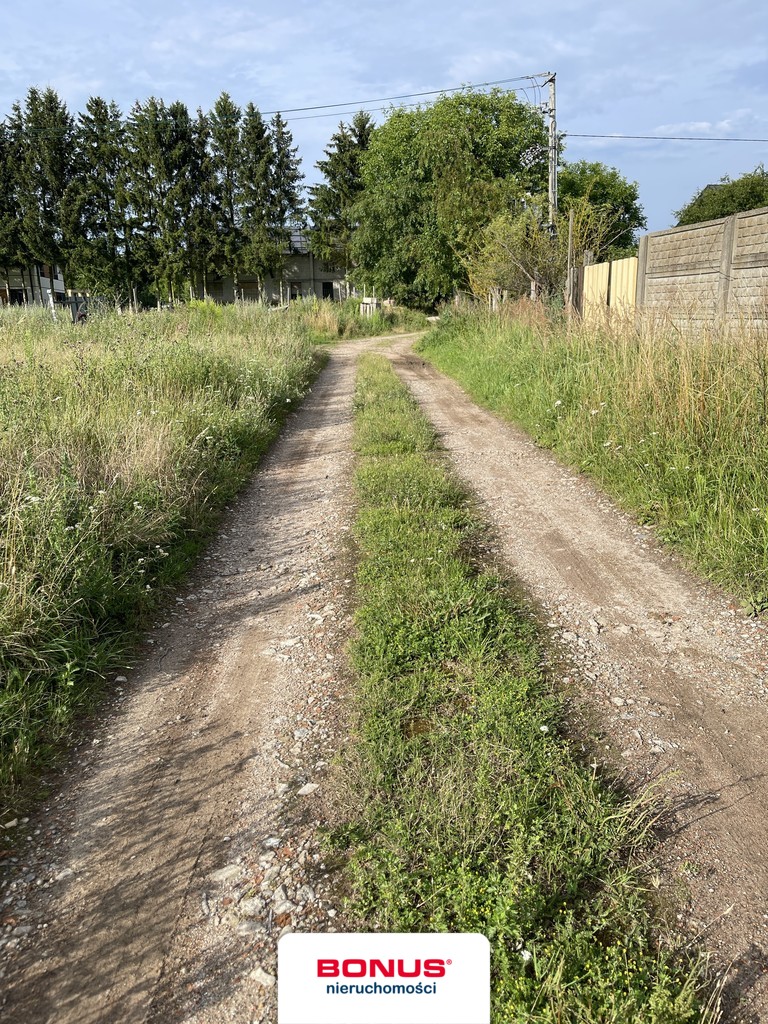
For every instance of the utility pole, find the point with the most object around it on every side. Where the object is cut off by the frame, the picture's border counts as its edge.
(551, 111)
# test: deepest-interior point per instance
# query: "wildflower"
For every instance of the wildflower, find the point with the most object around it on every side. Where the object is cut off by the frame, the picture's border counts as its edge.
(558, 402)
(593, 412)
(526, 955)
(543, 728)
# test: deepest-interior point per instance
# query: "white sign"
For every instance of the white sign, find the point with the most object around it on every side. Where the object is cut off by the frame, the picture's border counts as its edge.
(381, 978)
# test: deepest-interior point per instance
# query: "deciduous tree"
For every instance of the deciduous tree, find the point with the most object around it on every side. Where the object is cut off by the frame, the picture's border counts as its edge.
(728, 196)
(433, 179)
(608, 191)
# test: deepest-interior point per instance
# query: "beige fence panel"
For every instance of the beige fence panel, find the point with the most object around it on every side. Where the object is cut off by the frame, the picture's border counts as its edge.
(609, 286)
(595, 294)
(623, 288)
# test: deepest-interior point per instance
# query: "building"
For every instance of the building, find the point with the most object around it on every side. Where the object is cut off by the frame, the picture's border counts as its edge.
(23, 286)
(304, 276)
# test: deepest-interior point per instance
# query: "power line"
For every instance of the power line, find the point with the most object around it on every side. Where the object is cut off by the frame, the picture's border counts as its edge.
(333, 111)
(409, 95)
(661, 138)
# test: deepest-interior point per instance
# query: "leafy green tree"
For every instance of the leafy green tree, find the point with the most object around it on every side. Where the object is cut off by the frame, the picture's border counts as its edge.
(608, 191)
(44, 170)
(332, 202)
(433, 178)
(94, 205)
(728, 196)
(517, 253)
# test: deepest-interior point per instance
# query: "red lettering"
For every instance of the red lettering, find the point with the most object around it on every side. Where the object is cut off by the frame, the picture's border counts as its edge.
(354, 968)
(386, 971)
(409, 974)
(384, 968)
(434, 968)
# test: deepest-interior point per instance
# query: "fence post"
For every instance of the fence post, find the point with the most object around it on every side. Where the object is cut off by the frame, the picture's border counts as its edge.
(726, 262)
(642, 263)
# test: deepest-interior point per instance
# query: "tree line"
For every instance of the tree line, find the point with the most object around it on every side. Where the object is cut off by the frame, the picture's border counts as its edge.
(146, 207)
(443, 197)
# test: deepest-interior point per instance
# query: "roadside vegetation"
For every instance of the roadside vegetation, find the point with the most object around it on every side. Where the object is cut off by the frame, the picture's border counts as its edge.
(469, 810)
(329, 321)
(672, 425)
(122, 439)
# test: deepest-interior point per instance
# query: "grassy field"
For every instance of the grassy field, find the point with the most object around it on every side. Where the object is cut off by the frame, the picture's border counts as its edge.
(122, 439)
(468, 809)
(674, 426)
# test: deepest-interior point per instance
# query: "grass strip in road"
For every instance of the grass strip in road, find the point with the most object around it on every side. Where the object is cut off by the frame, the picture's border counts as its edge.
(470, 811)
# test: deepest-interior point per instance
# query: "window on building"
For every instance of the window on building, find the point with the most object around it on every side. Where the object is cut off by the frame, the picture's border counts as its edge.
(327, 289)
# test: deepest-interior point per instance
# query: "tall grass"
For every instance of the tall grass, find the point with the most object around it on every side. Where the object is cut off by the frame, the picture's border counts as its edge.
(674, 425)
(121, 440)
(328, 320)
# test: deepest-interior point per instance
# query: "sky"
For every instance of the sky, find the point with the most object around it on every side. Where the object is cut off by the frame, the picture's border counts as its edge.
(674, 68)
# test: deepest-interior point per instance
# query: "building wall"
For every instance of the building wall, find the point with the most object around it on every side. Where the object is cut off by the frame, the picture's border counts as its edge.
(304, 277)
(32, 285)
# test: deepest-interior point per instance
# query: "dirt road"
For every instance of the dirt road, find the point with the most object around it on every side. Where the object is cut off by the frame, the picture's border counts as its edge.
(183, 841)
(674, 678)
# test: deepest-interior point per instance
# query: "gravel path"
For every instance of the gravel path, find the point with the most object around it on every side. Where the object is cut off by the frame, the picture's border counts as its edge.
(670, 675)
(183, 837)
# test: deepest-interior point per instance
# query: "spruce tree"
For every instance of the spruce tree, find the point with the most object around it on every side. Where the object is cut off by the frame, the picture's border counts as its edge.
(285, 203)
(161, 193)
(144, 193)
(10, 223)
(44, 174)
(95, 205)
(204, 212)
(331, 202)
(254, 194)
(224, 121)
(180, 167)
